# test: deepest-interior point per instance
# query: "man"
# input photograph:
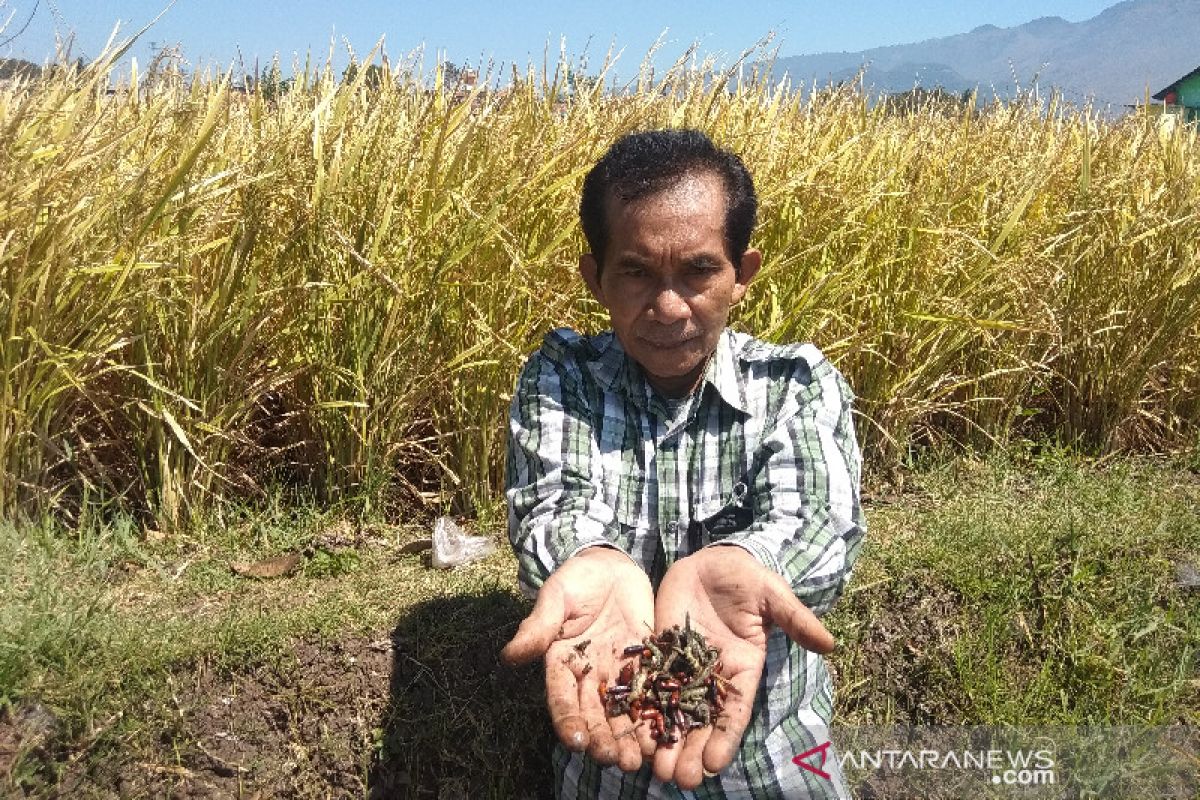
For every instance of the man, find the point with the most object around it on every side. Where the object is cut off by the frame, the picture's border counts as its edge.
(674, 469)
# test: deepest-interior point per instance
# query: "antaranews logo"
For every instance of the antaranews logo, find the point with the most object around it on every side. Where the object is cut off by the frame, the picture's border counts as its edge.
(1008, 767)
(823, 749)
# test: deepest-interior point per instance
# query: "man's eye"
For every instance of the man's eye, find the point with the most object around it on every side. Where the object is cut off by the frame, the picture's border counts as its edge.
(633, 272)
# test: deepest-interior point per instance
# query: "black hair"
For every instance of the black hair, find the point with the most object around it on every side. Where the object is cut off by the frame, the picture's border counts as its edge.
(647, 162)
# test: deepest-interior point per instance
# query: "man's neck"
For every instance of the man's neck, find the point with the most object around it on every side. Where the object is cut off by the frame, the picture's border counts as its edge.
(682, 386)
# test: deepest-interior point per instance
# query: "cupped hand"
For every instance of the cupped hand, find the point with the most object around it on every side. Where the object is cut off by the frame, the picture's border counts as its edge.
(733, 600)
(591, 608)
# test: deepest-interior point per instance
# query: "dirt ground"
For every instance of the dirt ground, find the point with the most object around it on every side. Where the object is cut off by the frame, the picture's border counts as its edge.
(398, 716)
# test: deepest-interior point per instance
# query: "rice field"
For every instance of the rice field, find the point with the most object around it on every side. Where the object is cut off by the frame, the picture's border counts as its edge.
(209, 294)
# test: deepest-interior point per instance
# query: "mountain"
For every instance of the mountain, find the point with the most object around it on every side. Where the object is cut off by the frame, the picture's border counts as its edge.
(1113, 57)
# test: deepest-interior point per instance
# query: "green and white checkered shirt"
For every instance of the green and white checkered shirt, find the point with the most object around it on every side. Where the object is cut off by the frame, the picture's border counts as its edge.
(763, 456)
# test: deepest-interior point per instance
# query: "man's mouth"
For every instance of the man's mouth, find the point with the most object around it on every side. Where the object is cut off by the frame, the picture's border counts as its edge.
(668, 344)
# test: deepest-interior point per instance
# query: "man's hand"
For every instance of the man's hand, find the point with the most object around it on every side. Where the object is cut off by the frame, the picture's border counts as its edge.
(733, 600)
(600, 598)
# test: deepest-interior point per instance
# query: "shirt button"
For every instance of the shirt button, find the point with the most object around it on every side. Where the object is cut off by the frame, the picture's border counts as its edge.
(672, 527)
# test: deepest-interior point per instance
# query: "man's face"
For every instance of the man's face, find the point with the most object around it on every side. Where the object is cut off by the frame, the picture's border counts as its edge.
(667, 281)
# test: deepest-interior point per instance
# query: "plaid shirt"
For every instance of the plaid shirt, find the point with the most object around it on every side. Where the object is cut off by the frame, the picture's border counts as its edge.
(762, 456)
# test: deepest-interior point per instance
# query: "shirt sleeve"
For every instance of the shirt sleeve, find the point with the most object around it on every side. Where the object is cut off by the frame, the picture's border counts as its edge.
(555, 506)
(808, 520)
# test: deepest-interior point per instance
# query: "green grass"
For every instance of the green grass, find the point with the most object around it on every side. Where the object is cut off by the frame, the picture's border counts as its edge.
(1027, 590)
(1032, 588)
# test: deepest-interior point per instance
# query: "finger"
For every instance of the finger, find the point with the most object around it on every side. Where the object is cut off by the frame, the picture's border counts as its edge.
(602, 746)
(629, 750)
(730, 726)
(689, 768)
(646, 742)
(562, 700)
(537, 631)
(797, 621)
(665, 758)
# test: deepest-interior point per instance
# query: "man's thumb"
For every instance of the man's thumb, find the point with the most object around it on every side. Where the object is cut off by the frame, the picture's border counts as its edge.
(538, 631)
(797, 621)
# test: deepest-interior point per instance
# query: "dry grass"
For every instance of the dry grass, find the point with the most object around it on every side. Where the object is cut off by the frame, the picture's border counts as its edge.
(205, 294)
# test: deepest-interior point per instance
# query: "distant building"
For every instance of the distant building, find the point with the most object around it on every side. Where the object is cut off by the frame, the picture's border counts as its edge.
(1183, 96)
(462, 81)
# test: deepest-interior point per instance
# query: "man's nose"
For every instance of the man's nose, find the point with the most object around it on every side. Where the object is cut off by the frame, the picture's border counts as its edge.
(668, 305)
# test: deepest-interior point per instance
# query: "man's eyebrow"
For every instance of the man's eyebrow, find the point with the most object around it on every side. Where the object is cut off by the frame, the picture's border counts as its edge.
(631, 260)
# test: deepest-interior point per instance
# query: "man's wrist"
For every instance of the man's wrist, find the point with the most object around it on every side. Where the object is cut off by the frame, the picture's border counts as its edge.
(759, 553)
(597, 547)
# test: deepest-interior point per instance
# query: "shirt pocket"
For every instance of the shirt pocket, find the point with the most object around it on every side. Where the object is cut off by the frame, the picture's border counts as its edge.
(722, 516)
(624, 483)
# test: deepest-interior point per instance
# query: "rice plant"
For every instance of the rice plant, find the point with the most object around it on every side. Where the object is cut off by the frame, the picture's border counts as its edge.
(208, 292)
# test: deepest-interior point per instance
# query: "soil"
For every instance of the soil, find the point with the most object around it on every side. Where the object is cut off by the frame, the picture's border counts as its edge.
(903, 658)
(403, 715)
(299, 728)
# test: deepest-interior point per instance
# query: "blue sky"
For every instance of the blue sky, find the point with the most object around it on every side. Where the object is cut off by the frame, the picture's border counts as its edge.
(214, 32)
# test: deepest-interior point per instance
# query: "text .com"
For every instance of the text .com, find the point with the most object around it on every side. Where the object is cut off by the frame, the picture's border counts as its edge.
(1024, 777)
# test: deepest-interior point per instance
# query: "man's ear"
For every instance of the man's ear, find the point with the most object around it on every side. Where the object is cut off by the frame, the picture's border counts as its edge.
(750, 264)
(590, 270)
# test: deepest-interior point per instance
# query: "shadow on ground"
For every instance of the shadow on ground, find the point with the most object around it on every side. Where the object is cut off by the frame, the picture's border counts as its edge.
(459, 724)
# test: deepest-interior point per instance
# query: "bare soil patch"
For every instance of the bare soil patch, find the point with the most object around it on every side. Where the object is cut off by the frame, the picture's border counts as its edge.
(902, 656)
(425, 711)
(300, 727)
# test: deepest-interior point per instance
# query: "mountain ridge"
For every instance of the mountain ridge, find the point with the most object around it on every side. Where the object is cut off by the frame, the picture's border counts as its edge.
(1116, 57)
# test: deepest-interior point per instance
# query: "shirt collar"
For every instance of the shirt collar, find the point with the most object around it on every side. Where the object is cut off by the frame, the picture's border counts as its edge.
(616, 372)
(607, 362)
(723, 373)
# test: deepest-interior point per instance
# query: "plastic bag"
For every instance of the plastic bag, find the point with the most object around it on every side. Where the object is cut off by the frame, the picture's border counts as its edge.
(453, 547)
